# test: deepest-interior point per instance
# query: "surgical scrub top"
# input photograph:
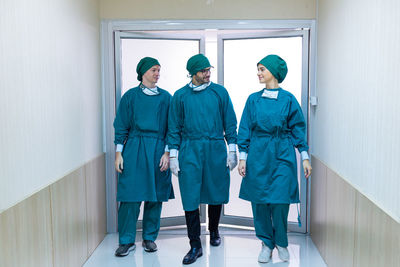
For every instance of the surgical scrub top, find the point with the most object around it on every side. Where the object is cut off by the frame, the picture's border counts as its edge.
(198, 123)
(141, 125)
(269, 131)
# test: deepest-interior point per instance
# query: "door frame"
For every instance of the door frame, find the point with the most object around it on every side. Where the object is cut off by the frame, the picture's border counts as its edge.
(108, 86)
(285, 33)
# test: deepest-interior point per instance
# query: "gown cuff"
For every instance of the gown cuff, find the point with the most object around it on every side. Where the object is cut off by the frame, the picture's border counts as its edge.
(173, 153)
(304, 155)
(242, 156)
(166, 148)
(119, 148)
(232, 147)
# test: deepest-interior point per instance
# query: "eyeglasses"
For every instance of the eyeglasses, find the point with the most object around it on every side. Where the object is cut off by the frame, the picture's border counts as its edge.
(205, 71)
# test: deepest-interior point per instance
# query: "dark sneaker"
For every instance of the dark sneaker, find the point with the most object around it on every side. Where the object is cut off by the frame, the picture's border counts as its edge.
(149, 246)
(192, 255)
(215, 239)
(123, 250)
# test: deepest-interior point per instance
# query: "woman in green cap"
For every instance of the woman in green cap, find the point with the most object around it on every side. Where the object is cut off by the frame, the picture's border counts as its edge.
(272, 125)
(142, 157)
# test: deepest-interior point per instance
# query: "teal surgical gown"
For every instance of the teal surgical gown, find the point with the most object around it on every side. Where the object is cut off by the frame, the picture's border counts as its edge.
(141, 125)
(269, 131)
(198, 122)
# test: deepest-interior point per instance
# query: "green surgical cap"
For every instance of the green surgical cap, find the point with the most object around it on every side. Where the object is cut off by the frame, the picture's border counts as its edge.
(196, 63)
(144, 65)
(276, 65)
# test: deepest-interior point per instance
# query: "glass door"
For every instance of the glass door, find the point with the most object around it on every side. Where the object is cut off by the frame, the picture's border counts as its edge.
(172, 51)
(238, 54)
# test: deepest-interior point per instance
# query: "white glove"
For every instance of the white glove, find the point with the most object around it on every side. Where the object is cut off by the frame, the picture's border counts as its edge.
(232, 160)
(174, 166)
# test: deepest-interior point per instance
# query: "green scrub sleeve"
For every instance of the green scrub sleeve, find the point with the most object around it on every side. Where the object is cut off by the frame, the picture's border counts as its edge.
(230, 122)
(175, 123)
(244, 129)
(297, 126)
(122, 120)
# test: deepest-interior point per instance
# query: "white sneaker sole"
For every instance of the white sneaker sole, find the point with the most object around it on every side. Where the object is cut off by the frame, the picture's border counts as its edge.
(127, 253)
(284, 259)
(264, 261)
(150, 250)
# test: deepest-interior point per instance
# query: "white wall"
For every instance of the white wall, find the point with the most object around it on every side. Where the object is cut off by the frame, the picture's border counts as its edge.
(50, 104)
(356, 127)
(207, 9)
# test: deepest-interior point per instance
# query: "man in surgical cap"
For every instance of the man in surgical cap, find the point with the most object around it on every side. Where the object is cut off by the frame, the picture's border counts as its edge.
(142, 158)
(201, 116)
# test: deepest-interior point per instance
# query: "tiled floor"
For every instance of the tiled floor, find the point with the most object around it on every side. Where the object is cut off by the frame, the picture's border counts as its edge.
(239, 248)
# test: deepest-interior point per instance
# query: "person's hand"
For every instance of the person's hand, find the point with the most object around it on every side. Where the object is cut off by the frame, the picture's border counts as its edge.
(232, 160)
(174, 166)
(164, 162)
(242, 168)
(307, 168)
(119, 162)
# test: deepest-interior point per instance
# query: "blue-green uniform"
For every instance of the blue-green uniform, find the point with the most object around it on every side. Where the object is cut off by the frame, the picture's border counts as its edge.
(270, 129)
(198, 123)
(141, 125)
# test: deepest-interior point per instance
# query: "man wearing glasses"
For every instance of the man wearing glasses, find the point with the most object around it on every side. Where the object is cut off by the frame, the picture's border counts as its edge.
(201, 115)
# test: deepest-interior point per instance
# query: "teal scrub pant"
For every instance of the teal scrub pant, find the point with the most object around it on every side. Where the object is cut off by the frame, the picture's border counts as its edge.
(270, 222)
(128, 214)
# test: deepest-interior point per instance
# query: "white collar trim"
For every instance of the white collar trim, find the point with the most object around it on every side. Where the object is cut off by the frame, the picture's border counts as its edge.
(200, 87)
(149, 91)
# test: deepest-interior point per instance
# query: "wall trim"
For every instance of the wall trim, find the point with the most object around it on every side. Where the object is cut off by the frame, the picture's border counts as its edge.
(57, 220)
(372, 199)
(52, 182)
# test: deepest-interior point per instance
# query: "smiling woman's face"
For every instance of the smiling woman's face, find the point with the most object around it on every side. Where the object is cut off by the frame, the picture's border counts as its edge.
(264, 75)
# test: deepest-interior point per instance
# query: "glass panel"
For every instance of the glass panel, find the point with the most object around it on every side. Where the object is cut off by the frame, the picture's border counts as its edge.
(240, 79)
(172, 55)
(211, 53)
